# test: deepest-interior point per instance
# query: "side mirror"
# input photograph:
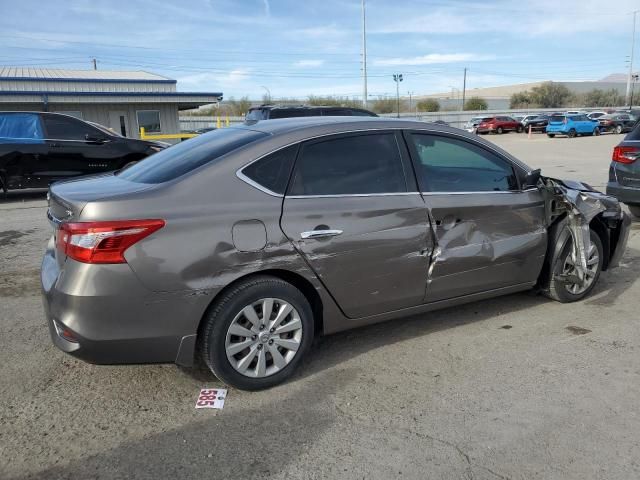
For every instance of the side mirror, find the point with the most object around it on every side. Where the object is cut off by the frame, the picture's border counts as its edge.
(90, 137)
(531, 179)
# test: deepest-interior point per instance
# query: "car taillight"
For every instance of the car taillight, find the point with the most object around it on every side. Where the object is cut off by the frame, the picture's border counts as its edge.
(625, 154)
(103, 242)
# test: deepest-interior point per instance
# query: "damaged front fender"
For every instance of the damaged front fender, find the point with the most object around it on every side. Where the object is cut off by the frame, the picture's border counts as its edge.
(571, 208)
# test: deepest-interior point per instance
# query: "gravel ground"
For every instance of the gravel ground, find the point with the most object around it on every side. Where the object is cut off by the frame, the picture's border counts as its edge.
(517, 387)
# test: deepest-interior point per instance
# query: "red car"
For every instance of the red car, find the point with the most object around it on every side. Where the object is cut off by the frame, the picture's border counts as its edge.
(499, 125)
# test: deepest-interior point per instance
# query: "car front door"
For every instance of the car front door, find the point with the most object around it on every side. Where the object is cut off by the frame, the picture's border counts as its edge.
(489, 233)
(76, 148)
(353, 212)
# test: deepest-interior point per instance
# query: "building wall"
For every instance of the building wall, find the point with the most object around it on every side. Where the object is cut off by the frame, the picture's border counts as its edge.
(99, 113)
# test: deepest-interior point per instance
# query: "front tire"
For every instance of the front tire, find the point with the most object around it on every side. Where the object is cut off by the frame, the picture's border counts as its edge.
(499, 131)
(551, 135)
(618, 129)
(563, 290)
(519, 129)
(596, 131)
(257, 333)
(572, 133)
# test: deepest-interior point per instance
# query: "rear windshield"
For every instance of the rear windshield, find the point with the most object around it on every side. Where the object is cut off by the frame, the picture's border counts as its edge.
(257, 114)
(557, 118)
(184, 157)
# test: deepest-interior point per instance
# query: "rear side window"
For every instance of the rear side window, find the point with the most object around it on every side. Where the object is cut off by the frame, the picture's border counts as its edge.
(184, 157)
(21, 127)
(450, 165)
(359, 164)
(257, 114)
(66, 128)
(290, 113)
(272, 172)
(556, 118)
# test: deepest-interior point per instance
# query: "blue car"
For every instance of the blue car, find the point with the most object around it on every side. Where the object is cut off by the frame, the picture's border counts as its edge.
(572, 125)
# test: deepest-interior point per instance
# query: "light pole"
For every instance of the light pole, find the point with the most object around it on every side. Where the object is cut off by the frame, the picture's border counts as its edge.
(268, 93)
(364, 57)
(397, 77)
(634, 79)
(410, 102)
(633, 41)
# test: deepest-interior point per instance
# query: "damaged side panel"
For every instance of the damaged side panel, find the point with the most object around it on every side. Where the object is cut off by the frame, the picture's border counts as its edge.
(484, 241)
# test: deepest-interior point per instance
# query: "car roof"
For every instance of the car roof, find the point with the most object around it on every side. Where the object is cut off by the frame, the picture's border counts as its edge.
(304, 128)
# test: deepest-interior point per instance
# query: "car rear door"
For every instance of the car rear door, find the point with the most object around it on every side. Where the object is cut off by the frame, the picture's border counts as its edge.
(353, 212)
(489, 233)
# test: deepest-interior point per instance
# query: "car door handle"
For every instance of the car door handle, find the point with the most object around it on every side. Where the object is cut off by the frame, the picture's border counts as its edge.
(320, 234)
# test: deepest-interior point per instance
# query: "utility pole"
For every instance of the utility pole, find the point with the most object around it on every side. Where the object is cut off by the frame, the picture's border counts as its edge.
(410, 102)
(633, 85)
(397, 77)
(633, 41)
(464, 88)
(364, 57)
(95, 64)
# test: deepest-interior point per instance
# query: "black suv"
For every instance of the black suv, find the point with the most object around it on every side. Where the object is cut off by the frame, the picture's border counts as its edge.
(266, 112)
(38, 148)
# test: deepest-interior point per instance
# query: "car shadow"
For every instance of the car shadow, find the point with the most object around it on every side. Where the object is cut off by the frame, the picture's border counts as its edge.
(236, 443)
(17, 196)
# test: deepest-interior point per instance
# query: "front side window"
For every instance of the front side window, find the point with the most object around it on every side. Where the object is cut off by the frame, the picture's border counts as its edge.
(272, 172)
(149, 120)
(446, 164)
(358, 164)
(61, 127)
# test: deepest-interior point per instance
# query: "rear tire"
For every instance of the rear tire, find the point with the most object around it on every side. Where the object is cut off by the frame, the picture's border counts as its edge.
(559, 290)
(596, 131)
(550, 135)
(219, 340)
(618, 129)
(635, 210)
(499, 131)
(572, 133)
(519, 129)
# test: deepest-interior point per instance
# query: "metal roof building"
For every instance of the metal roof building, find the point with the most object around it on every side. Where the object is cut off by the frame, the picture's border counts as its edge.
(121, 100)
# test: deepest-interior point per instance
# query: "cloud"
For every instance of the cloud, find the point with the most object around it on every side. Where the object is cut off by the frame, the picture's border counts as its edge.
(308, 63)
(267, 8)
(435, 58)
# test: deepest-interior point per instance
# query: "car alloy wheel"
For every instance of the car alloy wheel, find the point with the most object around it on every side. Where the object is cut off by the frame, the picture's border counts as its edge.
(619, 129)
(263, 338)
(499, 130)
(593, 264)
(572, 133)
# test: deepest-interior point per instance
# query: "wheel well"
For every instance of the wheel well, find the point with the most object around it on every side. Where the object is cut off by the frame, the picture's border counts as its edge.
(294, 279)
(598, 226)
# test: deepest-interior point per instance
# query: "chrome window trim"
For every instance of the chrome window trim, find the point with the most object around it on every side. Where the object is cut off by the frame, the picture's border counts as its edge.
(479, 192)
(345, 195)
(256, 185)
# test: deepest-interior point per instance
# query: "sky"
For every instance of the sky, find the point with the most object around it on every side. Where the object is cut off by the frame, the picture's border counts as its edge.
(296, 48)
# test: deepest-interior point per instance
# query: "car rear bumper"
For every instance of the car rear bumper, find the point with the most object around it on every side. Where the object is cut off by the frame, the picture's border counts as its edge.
(123, 323)
(624, 194)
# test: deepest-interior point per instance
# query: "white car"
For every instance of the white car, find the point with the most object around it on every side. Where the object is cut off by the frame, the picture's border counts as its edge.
(595, 115)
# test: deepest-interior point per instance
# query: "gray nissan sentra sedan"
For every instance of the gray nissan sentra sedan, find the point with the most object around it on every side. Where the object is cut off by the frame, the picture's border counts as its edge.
(241, 245)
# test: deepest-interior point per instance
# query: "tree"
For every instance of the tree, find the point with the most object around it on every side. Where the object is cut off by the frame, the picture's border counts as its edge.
(428, 105)
(384, 105)
(476, 103)
(601, 98)
(520, 100)
(550, 95)
(333, 101)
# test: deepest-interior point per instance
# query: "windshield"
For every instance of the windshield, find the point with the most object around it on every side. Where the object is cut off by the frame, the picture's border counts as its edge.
(187, 156)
